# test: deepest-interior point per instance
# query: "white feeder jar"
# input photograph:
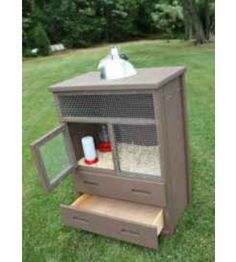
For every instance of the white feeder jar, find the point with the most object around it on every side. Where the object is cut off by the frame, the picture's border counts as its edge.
(90, 154)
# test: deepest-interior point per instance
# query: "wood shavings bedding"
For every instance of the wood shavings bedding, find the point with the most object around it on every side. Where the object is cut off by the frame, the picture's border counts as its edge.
(132, 158)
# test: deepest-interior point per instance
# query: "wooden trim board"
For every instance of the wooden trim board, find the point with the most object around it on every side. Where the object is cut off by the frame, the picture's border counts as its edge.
(185, 130)
(109, 120)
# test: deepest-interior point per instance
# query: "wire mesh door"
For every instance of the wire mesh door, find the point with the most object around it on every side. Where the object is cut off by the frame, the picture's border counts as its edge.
(54, 156)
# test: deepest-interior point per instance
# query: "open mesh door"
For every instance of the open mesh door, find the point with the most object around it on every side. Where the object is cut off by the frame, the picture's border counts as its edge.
(54, 156)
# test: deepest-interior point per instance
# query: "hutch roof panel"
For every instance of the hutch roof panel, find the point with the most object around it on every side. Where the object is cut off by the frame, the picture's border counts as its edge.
(147, 78)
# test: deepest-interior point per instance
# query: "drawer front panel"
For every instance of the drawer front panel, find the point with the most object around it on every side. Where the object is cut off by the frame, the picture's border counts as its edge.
(126, 231)
(146, 192)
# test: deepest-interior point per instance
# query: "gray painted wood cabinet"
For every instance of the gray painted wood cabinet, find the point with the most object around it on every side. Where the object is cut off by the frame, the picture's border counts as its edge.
(140, 189)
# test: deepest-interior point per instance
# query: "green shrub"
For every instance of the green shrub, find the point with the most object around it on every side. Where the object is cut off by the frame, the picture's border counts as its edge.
(40, 40)
(168, 19)
(27, 53)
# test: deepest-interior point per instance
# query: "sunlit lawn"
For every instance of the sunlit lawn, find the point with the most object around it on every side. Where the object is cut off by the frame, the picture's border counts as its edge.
(45, 238)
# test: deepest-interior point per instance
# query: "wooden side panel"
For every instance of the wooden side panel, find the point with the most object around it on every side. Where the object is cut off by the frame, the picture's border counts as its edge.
(147, 192)
(176, 162)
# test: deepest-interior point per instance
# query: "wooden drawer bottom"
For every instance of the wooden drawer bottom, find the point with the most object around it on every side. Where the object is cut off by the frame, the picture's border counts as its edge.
(124, 220)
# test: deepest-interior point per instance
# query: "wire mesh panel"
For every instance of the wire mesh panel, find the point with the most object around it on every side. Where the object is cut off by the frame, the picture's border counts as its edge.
(137, 148)
(118, 105)
(55, 156)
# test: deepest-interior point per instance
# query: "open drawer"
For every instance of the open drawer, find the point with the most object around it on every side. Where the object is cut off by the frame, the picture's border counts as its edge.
(124, 220)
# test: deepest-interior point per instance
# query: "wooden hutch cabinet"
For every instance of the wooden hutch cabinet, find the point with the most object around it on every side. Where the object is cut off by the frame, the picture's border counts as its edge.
(140, 189)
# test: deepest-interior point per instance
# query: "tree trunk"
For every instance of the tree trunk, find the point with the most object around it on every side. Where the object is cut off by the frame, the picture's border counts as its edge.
(188, 33)
(32, 5)
(207, 19)
(192, 18)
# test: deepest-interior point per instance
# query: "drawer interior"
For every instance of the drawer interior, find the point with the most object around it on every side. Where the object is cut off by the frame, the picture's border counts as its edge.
(121, 210)
(141, 214)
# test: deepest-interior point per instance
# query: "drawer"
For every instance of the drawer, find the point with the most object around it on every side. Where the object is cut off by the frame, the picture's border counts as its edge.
(124, 220)
(137, 190)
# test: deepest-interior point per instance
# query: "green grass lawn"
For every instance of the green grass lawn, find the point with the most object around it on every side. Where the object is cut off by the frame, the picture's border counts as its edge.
(45, 238)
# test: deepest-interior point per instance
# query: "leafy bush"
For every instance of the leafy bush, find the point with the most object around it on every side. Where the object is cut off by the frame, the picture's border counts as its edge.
(168, 19)
(27, 53)
(40, 40)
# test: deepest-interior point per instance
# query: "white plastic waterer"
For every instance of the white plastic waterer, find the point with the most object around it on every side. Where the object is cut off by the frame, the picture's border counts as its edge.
(89, 150)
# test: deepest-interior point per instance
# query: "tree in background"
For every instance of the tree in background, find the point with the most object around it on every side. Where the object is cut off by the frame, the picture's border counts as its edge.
(41, 40)
(144, 19)
(207, 16)
(198, 19)
(83, 23)
(168, 19)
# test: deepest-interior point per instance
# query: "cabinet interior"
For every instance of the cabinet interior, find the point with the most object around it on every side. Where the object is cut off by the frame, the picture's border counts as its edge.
(134, 147)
